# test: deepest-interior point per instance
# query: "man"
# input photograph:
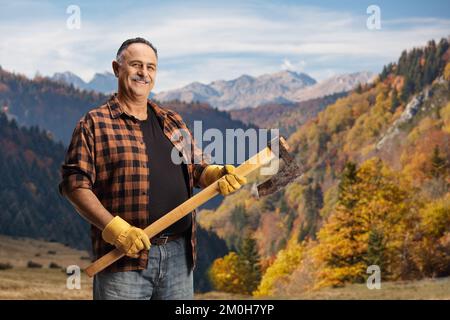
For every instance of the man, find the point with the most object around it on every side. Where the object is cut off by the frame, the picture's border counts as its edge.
(119, 174)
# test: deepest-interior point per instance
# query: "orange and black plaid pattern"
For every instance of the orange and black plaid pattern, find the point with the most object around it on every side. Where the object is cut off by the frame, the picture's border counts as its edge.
(107, 154)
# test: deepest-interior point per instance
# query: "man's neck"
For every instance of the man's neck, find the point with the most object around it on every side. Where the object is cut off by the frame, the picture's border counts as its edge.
(135, 106)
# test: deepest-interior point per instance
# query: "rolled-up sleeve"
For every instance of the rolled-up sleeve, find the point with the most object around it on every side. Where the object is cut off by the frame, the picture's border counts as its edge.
(78, 169)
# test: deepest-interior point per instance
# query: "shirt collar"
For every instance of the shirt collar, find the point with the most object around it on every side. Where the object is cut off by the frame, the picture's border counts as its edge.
(116, 109)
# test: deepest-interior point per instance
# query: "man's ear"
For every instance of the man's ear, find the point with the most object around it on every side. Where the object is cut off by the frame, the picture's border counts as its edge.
(115, 67)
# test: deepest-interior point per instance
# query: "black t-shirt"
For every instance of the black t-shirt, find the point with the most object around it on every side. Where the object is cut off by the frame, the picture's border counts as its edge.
(169, 185)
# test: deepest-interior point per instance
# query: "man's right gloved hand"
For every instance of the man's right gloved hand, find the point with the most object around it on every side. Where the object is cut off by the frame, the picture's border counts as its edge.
(128, 239)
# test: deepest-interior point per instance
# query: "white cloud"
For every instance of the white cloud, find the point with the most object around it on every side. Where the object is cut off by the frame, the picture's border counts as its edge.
(288, 65)
(210, 43)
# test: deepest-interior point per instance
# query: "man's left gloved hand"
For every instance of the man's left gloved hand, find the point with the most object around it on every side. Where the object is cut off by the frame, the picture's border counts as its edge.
(229, 184)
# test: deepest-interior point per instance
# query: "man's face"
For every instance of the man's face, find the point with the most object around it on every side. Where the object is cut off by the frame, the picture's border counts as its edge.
(137, 70)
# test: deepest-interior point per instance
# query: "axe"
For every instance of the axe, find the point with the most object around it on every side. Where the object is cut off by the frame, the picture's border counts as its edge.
(276, 148)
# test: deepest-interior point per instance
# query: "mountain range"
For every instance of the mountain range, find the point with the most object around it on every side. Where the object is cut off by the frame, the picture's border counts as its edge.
(250, 92)
(335, 84)
(104, 82)
(281, 87)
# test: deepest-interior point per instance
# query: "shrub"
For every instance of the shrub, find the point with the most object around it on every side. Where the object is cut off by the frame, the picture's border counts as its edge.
(54, 265)
(32, 264)
(5, 266)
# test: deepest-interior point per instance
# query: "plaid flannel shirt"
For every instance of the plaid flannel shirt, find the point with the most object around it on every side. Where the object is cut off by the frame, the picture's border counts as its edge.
(107, 154)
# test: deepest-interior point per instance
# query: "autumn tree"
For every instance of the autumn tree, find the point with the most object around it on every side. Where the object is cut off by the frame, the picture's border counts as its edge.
(237, 272)
(433, 247)
(286, 261)
(367, 227)
(226, 275)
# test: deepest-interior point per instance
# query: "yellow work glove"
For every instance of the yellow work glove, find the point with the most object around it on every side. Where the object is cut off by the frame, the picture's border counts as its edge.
(128, 239)
(231, 181)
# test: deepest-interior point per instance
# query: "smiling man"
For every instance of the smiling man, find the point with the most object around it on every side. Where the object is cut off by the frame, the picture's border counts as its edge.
(119, 175)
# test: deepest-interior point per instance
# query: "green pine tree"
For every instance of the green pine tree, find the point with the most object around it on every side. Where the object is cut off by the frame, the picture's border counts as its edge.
(407, 90)
(313, 202)
(395, 102)
(376, 249)
(249, 256)
(348, 179)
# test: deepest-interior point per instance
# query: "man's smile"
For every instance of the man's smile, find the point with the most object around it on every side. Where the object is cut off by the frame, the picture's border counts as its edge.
(143, 82)
(140, 80)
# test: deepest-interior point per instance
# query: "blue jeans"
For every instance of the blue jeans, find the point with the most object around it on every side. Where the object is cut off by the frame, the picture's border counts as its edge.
(167, 277)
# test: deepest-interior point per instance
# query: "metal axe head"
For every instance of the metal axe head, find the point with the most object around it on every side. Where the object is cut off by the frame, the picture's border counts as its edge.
(288, 173)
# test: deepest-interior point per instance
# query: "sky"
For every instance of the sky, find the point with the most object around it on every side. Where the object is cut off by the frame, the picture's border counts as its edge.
(216, 40)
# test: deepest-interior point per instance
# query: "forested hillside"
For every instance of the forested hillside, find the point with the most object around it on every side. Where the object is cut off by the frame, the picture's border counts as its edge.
(375, 190)
(29, 170)
(285, 117)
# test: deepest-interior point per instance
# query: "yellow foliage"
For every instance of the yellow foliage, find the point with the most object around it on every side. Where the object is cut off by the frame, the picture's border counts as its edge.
(447, 71)
(425, 124)
(286, 262)
(414, 167)
(445, 116)
(436, 217)
(431, 251)
(330, 200)
(226, 274)
(377, 202)
(369, 125)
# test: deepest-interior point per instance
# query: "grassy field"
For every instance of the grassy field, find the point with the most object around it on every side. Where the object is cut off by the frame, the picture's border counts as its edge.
(21, 282)
(41, 284)
(19, 251)
(407, 290)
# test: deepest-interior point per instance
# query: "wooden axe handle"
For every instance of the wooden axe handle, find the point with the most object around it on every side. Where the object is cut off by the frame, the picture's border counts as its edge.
(258, 160)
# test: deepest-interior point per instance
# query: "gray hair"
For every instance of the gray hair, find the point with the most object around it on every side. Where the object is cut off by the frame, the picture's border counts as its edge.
(129, 42)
